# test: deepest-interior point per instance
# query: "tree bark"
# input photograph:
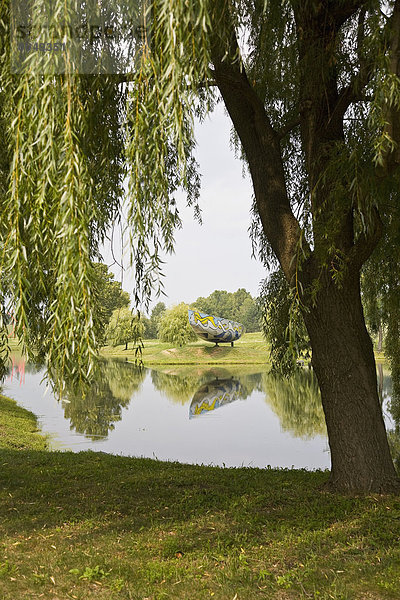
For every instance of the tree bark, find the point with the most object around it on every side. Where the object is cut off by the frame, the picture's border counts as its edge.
(344, 363)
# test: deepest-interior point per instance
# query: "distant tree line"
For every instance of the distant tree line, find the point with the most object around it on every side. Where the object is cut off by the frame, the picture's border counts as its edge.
(119, 326)
(238, 306)
(171, 325)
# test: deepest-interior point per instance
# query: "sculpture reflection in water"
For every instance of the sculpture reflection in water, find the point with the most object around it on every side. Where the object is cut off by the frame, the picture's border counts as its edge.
(295, 400)
(213, 395)
(179, 384)
(94, 413)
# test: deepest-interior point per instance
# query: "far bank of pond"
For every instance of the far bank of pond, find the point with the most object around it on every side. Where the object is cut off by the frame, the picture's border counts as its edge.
(250, 349)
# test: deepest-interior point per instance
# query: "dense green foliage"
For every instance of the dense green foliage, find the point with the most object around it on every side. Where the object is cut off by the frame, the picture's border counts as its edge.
(109, 297)
(238, 306)
(72, 142)
(174, 326)
(381, 294)
(282, 325)
(62, 139)
(151, 329)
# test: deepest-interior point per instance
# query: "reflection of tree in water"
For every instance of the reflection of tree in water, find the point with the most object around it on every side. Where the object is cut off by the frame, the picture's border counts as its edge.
(180, 388)
(297, 403)
(384, 382)
(250, 383)
(95, 413)
(124, 379)
(393, 408)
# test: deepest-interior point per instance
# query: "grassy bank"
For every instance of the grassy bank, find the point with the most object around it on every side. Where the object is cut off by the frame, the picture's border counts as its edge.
(18, 428)
(250, 349)
(91, 525)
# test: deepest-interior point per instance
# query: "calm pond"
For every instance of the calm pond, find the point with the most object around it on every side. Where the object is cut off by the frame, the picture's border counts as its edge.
(231, 416)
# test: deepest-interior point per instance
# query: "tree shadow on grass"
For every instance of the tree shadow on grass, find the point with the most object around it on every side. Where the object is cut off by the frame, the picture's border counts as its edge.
(94, 500)
(51, 488)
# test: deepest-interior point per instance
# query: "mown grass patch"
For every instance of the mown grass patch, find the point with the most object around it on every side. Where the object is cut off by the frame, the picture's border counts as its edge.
(251, 348)
(92, 525)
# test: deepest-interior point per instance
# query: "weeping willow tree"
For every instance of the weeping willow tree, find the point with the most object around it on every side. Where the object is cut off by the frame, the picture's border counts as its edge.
(312, 89)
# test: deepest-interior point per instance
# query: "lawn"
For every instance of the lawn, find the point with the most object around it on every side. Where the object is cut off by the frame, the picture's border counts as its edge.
(251, 348)
(92, 525)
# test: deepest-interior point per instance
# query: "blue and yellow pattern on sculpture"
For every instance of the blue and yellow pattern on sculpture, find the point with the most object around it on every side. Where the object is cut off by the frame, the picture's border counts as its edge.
(214, 329)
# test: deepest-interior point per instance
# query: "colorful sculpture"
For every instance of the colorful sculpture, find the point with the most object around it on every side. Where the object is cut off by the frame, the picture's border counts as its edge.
(213, 395)
(215, 329)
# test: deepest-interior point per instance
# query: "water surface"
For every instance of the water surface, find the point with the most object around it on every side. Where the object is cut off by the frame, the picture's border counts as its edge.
(239, 416)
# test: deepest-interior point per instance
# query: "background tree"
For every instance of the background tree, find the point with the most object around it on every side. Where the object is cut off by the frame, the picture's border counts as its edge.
(174, 326)
(151, 331)
(109, 297)
(249, 314)
(238, 306)
(124, 327)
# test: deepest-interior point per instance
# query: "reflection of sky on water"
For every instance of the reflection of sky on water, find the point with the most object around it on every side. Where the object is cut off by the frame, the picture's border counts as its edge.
(251, 431)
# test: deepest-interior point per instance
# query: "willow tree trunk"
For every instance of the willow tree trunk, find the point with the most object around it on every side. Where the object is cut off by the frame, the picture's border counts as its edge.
(344, 363)
(342, 350)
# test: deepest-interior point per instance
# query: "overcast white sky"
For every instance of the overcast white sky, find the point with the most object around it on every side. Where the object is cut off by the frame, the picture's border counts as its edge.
(217, 254)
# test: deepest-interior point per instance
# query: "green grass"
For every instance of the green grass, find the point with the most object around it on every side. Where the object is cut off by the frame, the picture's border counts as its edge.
(18, 427)
(91, 525)
(250, 349)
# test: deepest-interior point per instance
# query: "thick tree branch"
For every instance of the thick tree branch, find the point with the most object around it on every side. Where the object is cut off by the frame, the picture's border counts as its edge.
(341, 11)
(288, 126)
